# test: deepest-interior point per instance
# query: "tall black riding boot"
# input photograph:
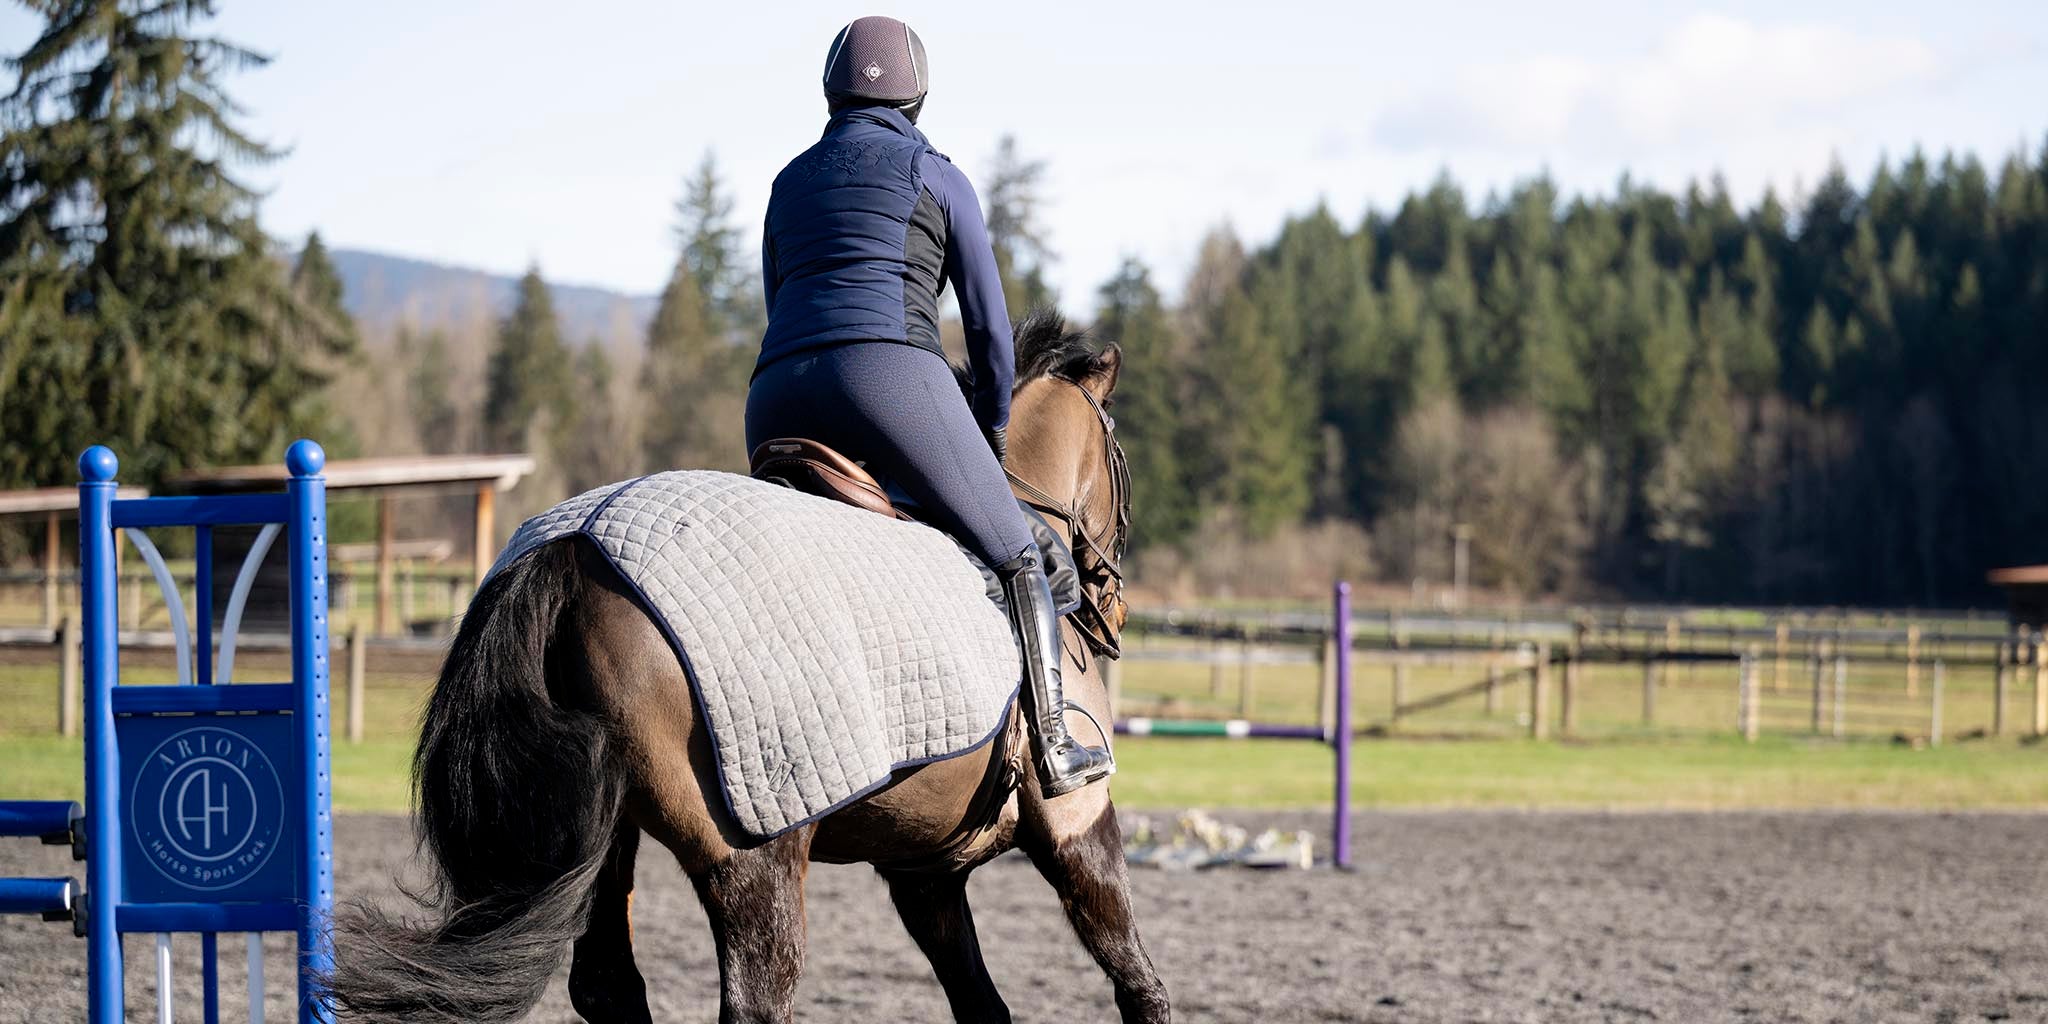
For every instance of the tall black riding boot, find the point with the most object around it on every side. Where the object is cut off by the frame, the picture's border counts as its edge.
(1064, 765)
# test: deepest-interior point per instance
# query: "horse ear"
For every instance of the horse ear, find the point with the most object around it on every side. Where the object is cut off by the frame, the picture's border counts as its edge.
(1103, 370)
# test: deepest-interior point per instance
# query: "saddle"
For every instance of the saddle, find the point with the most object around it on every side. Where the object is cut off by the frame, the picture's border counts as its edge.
(816, 468)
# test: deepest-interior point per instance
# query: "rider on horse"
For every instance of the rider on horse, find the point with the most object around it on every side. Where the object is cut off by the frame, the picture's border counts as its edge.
(864, 230)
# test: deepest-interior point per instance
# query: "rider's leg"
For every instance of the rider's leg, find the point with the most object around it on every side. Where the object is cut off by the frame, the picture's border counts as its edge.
(899, 409)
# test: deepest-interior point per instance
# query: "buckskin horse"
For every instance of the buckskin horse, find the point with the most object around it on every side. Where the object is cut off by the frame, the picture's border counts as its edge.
(561, 728)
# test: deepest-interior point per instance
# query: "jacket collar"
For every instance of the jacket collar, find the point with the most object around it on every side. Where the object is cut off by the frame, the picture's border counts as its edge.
(887, 117)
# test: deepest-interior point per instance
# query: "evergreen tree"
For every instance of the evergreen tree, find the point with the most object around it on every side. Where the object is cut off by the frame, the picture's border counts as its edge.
(527, 398)
(711, 250)
(1149, 401)
(430, 388)
(1014, 231)
(142, 306)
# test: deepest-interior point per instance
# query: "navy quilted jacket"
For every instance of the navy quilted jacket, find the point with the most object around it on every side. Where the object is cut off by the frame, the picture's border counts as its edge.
(864, 231)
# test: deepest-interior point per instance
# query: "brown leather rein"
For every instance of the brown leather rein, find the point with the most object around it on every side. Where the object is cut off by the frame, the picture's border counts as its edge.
(1101, 619)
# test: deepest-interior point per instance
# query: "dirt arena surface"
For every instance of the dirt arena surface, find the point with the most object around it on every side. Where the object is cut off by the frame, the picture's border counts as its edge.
(1452, 916)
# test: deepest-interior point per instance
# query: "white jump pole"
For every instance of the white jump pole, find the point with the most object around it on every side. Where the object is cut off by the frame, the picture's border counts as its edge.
(255, 978)
(163, 978)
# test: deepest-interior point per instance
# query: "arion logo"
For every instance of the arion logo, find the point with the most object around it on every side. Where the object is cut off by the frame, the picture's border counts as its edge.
(207, 809)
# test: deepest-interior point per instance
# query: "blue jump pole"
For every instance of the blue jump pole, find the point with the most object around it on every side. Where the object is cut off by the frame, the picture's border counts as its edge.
(97, 586)
(307, 493)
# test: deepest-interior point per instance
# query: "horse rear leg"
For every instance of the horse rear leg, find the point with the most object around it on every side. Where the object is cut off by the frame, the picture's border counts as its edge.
(934, 910)
(605, 985)
(755, 900)
(1087, 869)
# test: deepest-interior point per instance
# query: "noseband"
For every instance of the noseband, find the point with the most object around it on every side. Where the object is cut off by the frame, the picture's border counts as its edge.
(1101, 619)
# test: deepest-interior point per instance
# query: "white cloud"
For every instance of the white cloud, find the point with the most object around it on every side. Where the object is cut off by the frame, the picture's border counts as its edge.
(1711, 75)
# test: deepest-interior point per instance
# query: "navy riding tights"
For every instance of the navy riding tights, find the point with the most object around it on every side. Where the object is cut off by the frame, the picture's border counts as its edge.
(897, 409)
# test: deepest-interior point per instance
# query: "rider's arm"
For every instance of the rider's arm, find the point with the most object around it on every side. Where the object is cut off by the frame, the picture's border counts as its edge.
(971, 269)
(770, 280)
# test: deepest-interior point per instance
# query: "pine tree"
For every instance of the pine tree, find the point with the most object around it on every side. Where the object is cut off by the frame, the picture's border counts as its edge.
(1014, 231)
(1149, 399)
(711, 251)
(527, 399)
(430, 387)
(142, 304)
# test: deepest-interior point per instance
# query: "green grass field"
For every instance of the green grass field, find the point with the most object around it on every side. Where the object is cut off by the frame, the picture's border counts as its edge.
(1693, 762)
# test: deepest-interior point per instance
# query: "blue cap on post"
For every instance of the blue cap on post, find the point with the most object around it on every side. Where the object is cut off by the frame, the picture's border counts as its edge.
(305, 457)
(98, 464)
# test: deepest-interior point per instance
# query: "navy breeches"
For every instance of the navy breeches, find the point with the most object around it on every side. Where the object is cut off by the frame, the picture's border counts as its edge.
(898, 409)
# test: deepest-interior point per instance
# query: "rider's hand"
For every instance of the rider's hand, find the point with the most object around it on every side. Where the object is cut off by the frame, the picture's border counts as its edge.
(998, 442)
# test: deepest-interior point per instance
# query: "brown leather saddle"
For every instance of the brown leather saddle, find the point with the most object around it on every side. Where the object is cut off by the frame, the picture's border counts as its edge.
(815, 468)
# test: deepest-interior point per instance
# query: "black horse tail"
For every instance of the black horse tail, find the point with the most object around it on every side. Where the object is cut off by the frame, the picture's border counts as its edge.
(518, 799)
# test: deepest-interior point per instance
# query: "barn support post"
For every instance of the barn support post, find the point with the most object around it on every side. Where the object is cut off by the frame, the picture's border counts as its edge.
(486, 530)
(387, 539)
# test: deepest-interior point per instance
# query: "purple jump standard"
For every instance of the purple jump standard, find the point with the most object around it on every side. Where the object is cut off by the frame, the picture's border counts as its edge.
(1339, 736)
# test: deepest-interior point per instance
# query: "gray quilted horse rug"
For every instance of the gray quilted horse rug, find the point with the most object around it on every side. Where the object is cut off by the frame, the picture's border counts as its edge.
(827, 646)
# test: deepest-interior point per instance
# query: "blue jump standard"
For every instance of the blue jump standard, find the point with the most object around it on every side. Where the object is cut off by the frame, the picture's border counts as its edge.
(207, 805)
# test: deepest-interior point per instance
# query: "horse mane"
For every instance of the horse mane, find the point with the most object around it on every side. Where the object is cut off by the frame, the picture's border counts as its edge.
(1046, 346)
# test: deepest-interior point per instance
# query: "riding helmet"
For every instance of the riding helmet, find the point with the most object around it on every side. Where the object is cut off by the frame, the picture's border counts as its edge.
(877, 61)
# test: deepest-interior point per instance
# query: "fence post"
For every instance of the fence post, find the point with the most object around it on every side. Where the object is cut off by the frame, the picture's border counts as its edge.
(1539, 694)
(1934, 711)
(1215, 664)
(1747, 686)
(1113, 680)
(2006, 653)
(1493, 683)
(358, 656)
(1784, 644)
(1820, 648)
(1568, 720)
(1913, 661)
(2040, 690)
(1400, 638)
(1649, 692)
(67, 676)
(1244, 676)
(1326, 695)
(1841, 691)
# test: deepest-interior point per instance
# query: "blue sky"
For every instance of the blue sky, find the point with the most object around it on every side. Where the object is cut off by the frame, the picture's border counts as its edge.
(494, 134)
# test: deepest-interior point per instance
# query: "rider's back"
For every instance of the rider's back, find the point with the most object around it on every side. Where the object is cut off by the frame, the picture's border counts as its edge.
(855, 241)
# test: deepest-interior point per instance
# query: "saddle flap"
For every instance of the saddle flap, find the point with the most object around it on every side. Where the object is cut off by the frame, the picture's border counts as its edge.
(815, 468)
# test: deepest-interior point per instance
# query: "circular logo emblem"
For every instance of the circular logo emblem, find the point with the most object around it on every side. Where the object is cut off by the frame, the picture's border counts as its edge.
(207, 809)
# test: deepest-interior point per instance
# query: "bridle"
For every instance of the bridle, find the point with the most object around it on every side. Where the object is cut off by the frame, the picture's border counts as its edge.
(1100, 620)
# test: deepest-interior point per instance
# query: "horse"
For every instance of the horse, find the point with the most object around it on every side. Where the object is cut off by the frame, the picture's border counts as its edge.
(561, 728)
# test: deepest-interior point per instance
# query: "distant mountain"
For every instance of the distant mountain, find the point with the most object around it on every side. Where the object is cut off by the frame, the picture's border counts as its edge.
(385, 293)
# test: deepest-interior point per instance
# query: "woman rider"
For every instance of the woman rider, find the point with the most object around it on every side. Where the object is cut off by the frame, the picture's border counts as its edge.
(864, 230)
